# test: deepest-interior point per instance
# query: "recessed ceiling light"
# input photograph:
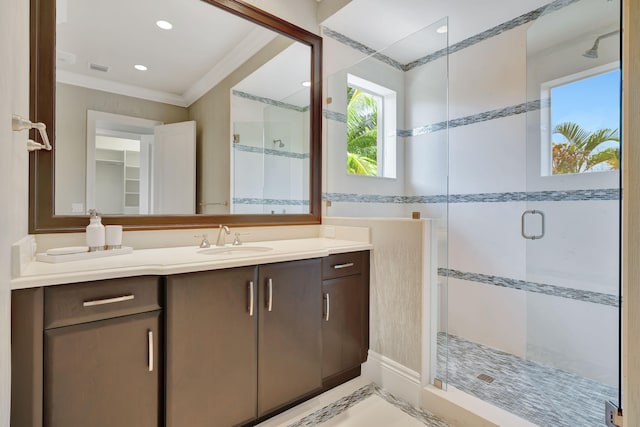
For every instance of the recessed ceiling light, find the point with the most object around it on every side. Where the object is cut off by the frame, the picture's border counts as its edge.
(165, 25)
(306, 84)
(140, 67)
(443, 29)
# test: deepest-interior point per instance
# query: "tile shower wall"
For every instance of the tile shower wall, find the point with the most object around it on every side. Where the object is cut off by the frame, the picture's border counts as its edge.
(488, 187)
(269, 157)
(555, 327)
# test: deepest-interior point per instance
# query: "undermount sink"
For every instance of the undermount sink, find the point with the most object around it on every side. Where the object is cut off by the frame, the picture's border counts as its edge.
(236, 250)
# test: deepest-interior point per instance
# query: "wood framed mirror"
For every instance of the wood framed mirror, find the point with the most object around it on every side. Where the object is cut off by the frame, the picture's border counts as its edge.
(287, 129)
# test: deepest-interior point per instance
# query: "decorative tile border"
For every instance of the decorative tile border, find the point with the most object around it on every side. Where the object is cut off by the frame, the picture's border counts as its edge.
(420, 415)
(269, 101)
(539, 288)
(544, 395)
(271, 202)
(499, 113)
(335, 408)
(270, 152)
(533, 196)
(338, 407)
(328, 32)
(334, 115)
(491, 32)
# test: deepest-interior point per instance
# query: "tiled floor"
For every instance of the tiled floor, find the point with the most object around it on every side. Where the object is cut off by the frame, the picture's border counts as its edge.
(543, 395)
(354, 404)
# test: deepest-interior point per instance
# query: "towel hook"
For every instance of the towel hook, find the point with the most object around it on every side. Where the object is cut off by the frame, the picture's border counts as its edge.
(19, 123)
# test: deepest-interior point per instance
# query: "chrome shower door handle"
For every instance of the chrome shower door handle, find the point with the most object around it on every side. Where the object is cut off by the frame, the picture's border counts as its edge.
(523, 221)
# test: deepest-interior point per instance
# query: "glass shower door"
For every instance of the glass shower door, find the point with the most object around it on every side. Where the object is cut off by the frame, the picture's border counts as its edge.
(571, 220)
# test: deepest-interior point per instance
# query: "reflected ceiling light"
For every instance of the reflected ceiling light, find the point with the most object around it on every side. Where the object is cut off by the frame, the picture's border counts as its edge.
(442, 30)
(306, 84)
(140, 67)
(165, 25)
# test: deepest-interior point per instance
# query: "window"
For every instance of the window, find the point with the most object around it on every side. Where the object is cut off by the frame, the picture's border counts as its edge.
(371, 128)
(583, 132)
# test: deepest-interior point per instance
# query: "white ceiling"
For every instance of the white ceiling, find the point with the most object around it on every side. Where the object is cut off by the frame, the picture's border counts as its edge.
(204, 46)
(394, 20)
(283, 76)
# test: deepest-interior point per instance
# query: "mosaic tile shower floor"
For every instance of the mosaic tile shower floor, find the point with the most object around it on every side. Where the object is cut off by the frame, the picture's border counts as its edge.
(543, 395)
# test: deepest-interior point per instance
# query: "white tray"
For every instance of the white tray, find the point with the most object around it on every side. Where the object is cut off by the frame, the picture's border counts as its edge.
(82, 255)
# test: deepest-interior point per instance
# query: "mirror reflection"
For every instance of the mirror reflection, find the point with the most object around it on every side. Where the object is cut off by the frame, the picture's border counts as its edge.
(174, 107)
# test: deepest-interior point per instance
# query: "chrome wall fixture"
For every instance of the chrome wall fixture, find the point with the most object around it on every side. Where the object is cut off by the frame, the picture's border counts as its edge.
(18, 123)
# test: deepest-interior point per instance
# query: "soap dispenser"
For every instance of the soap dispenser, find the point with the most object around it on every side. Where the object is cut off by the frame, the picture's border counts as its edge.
(95, 232)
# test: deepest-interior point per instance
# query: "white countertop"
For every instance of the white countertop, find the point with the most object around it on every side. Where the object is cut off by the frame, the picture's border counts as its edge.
(165, 261)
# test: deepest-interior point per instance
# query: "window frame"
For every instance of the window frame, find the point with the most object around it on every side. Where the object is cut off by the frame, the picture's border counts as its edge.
(387, 125)
(546, 150)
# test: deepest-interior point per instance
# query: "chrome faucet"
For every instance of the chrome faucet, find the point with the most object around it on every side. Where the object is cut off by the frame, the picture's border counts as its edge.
(221, 237)
(205, 243)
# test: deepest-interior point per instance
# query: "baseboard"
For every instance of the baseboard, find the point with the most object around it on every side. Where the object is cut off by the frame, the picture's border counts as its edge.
(400, 381)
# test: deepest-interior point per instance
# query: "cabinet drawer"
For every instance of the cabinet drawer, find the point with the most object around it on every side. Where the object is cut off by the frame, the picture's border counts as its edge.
(341, 265)
(86, 302)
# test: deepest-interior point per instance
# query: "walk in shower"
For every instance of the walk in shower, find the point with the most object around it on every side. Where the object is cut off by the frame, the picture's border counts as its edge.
(509, 142)
(533, 287)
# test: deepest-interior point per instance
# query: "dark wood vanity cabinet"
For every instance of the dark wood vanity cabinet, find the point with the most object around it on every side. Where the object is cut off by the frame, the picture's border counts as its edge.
(215, 348)
(103, 373)
(289, 333)
(345, 325)
(211, 348)
(242, 342)
(99, 360)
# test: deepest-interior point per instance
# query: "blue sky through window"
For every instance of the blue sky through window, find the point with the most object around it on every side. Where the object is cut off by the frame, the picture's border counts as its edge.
(593, 103)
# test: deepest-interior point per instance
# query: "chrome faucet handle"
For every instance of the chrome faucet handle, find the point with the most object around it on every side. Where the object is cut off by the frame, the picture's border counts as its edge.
(237, 241)
(204, 243)
(221, 238)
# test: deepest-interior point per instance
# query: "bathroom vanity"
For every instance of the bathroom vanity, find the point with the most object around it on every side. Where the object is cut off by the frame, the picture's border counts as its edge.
(224, 338)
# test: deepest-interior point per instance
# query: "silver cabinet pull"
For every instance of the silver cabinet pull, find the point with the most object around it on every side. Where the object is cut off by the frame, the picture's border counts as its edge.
(269, 294)
(522, 224)
(327, 306)
(108, 300)
(347, 265)
(150, 341)
(251, 298)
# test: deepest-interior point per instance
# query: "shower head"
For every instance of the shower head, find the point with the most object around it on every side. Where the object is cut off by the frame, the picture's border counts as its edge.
(279, 142)
(593, 52)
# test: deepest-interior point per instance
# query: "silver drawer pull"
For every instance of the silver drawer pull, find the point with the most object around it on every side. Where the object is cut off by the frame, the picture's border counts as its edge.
(150, 340)
(108, 300)
(327, 307)
(269, 294)
(347, 265)
(251, 298)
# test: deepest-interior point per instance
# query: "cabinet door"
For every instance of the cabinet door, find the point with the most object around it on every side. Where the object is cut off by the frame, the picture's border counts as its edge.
(211, 348)
(103, 374)
(289, 340)
(342, 324)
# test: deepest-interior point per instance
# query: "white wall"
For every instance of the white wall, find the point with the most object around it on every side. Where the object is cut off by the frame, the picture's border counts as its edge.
(14, 87)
